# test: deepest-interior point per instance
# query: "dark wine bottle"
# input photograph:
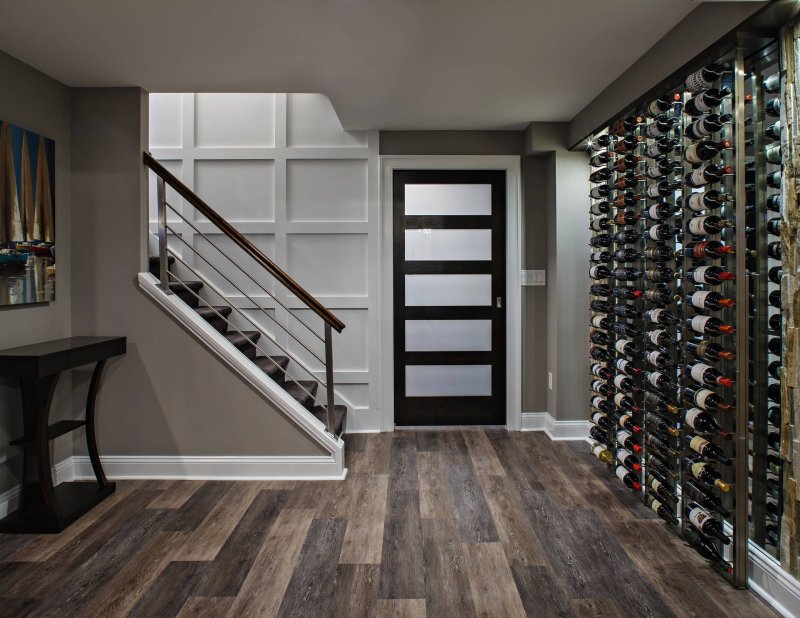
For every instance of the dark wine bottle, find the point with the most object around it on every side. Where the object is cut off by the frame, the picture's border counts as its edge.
(627, 459)
(705, 547)
(703, 78)
(707, 125)
(660, 148)
(601, 371)
(625, 126)
(704, 473)
(661, 296)
(599, 272)
(660, 316)
(626, 237)
(709, 325)
(599, 224)
(708, 450)
(705, 101)
(600, 257)
(708, 375)
(661, 188)
(626, 330)
(600, 354)
(707, 200)
(710, 502)
(600, 175)
(661, 338)
(655, 402)
(660, 168)
(772, 84)
(659, 253)
(774, 298)
(706, 225)
(662, 510)
(601, 142)
(628, 143)
(773, 108)
(659, 380)
(627, 162)
(628, 478)
(598, 433)
(659, 274)
(599, 338)
(657, 483)
(624, 383)
(627, 181)
(601, 388)
(660, 126)
(600, 240)
(659, 359)
(709, 299)
(710, 351)
(709, 275)
(775, 322)
(626, 292)
(603, 405)
(705, 522)
(703, 422)
(774, 226)
(601, 159)
(660, 232)
(707, 249)
(627, 199)
(623, 402)
(602, 322)
(626, 367)
(706, 174)
(599, 192)
(701, 151)
(773, 131)
(658, 422)
(626, 422)
(600, 289)
(706, 400)
(625, 274)
(774, 250)
(774, 369)
(627, 255)
(626, 346)
(662, 104)
(627, 217)
(660, 211)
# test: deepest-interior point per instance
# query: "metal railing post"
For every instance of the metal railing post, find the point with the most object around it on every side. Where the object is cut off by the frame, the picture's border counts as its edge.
(329, 377)
(162, 234)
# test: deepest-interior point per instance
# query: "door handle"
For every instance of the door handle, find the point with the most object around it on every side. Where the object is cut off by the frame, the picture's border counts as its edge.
(499, 302)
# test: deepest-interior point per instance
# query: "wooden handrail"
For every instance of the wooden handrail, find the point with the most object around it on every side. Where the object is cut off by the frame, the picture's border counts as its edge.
(248, 247)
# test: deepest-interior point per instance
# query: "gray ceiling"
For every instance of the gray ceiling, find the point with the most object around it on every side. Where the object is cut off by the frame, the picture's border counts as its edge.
(385, 64)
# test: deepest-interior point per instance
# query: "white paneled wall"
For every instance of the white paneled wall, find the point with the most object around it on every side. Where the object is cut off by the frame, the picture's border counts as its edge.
(282, 170)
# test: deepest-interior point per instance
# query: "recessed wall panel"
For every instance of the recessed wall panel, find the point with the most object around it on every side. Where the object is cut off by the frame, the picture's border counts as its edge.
(329, 264)
(326, 190)
(232, 120)
(239, 190)
(166, 120)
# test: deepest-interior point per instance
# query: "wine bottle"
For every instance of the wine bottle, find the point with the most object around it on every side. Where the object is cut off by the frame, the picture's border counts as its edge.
(627, 367)
(660, 316)
(655, 440)
(627, 255)
(601, 420)
(601, 452)
(603, 405)
(659, 380)
(623, 127)
(773, 131)
(626, 346)
(627, 217)
(602, 322)
(600, 240)
(707, 200)
(659, 359)
(772, 84)
(706, 400)
(626, 292)
(623, 402)
(653, 420)
(627, 199)
(774, 393)
(599, 338)
(599, 272)
(660, 126)
(707, 125)
(628, 478)
(660, 487)
(600, 208)
(705, 547)
(774, 369)
(708, 224)
(709, 325)
(660, 232)
(627, 459)
(601, 159)
(659, 253)
(661, 188)
(624, 310)
(625, 274)
(703, 78)
(775, 321)
(705, 522)
(709, 299)
(626, 237)
(773, 108)
(662, 104)
(709, 275)
(710, 502)
(710, 351)
(627, 181)
(652, 400)
(707, 249)
(773, 154)
(660, 168)
(600, 354)
(626, 422)
(625, 329)
(705, 101)
(774, 250)
(600, 175)
(775, 345)
(601, 371)
(708, 375)
(600, 191)
(601, 142)
(663, 511)
(628, 143)
(707, 174)
(774, 226)
(660, 148)
(774, 441)
(654, 463)
(661, 338)
(659, 274)
(704, 150)
(599, 224)
(772, 535)
(774, 180)
(599, 435)
(600, 289)
(660, 295)
(703, 422)
(774, 416)
(624, 383)
(660, 211)
(600, 257)
(704, 473)
(625, 439)
(707, 449)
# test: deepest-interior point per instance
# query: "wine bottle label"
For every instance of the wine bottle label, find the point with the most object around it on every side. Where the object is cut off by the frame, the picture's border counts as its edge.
(698, 444)
(699, 323)
(619, 346)
(618, 381)
(597, 449)
(653, 357)
(691, 416)
(622, 436)
(653, 190)
(698, 372)
(652, 151)
(624, 419)
(699, 275)
(597, 385)
(701, 102)
(597, 417)
(653, 232)
(654, 377)
(597, 321)
(654, 107)
(698, 299)
(697, 178)
(622, 472)
(698, 468)
(596, 401)
(696, 226)
(593, 272)
(697, 201)
(653, 170)
(696, 82)
(622, 454)
(699, 129)
(654, 315)
(654, 335)
(618, 399)
(691, 155)
(621, 364)
(653, 212)
(655, 505)
(699, 517)
(655, 484)
(702, 396)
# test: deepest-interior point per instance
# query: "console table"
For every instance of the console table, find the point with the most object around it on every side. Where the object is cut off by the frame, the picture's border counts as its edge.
(44, 507)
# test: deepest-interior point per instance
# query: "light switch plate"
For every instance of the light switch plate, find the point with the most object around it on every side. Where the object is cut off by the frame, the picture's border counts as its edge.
(532, 277)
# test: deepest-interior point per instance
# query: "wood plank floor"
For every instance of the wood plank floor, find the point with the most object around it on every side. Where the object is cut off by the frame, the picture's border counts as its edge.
(474, 522)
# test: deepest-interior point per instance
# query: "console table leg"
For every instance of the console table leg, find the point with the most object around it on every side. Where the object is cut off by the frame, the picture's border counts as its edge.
(91, 438)
(37, 480)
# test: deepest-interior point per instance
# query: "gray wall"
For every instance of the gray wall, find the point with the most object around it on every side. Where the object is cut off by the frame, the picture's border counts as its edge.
(427, 143)
(697, 31)
(168, 395)
(32, 100)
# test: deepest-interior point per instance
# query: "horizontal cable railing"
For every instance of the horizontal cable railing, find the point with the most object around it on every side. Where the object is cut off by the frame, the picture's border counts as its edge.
(264, 264)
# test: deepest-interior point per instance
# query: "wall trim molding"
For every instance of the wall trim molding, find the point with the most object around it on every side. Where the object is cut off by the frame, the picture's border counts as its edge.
(767, 579)
(555, 430)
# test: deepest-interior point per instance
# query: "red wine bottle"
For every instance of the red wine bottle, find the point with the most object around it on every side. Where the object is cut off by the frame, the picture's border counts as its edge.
(709, 300)
(598, 434)
(627, 181)
(600, 240)
(708, 450)
(660, 126)
(626, 422)
(710, 502)
(706, 400)
(600, 354)
(707, 249)
(626, 367)
(628, 478)
(659, 253)
(660, 316)
(600, 257)
(709, 325)
(626, 330)
(660, 232)
(626, 292)
(601, 371)
(707, 125)
(706, 548)
(624, 383)
(661, 296)
(603, 405)
(627, 217)
(600, 208)
(659, 359)
(661, 338)
(627, 459)
(601, 388)
(703, 78)
(704, 473)
(600, 175)
(659, 380)
(600, 289)
(705, 522)
(623, 402)
(659, 274)
(662, 188)
(707, 200)
(602, 322)
(708, 224)
(708, 375)
(627, 162)
(660, 211)
(601, 142)
(599, 272)
(626, 274)
(663, 104)
(705, 101)
(660, 148)
(703, 422)
(626, 237)
(628, 143)
(599, 192)
(623, 127)
(601, 420)
(710, 351)
(599, 338)
(627, 255)
(662, 510)
(659, 485)
(706, 174)
(601, 159)
(625, 310)
(709, 275)
(599, 224)
(626, 346)
(627, 199)
(701, 151)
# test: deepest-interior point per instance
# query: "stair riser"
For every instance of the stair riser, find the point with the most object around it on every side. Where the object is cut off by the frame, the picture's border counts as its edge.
(189, 298)
(220, 325)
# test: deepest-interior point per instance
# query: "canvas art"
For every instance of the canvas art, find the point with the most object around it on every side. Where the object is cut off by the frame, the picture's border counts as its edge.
(27, 217)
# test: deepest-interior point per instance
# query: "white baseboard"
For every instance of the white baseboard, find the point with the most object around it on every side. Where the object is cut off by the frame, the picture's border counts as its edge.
(555, 430)
(767, 579)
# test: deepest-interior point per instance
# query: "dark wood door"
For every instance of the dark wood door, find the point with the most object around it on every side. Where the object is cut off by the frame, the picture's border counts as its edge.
(449, 297)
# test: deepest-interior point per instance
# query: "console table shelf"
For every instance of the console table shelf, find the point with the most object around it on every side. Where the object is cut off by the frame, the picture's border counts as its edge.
(43, 506)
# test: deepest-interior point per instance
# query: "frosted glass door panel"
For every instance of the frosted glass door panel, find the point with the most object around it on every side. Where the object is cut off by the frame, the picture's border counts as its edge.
(448, 335)
(448, 245)
(448, 380)
(448, 290)
(472, 199)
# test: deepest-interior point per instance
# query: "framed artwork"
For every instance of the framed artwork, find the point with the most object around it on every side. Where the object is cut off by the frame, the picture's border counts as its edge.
(27, 217)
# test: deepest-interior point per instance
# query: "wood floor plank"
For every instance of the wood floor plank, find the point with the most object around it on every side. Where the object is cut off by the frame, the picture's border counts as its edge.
(483, 456)
(520, 542)
(167, 594)
(363, 539)
(472, 512)
(401, 608)
(494, 592)
(205, 607)
(357, 588)
(205, 541)
(448, 591)
(403, 465)
(175, 495)
(378, 451)
(266, 583)
(598, 607)
(515, 464)
(402, 563)
(310, 590)
(541, 592)
(195, 509)
(434, 490)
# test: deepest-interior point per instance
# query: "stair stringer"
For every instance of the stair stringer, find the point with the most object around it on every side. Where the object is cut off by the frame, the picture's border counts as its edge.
(248, 371)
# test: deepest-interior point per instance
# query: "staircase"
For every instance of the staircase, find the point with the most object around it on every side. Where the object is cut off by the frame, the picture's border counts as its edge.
(182, 272)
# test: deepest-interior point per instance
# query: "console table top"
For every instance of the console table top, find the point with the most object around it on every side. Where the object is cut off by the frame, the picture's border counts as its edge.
(49, 357)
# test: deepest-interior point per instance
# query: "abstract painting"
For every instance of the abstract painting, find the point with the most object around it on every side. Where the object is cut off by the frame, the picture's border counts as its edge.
(27, 217)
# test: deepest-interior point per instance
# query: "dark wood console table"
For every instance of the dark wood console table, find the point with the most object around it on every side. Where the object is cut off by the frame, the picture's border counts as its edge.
(44, 507)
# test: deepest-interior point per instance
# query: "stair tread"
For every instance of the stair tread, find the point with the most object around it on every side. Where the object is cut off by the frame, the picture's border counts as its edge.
(213, 312)
(302, 391)
(154, 259)
(178, 286)
(244, 338)
(339, 412)
(272, 365)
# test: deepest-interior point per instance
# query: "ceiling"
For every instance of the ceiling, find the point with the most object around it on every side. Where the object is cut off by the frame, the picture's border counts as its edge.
(385, 64)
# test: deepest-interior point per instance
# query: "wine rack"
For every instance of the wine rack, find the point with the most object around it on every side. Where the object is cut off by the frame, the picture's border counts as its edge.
(683, 336)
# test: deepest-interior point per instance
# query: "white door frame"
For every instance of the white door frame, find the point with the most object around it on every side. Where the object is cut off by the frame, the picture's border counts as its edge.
(509, 164)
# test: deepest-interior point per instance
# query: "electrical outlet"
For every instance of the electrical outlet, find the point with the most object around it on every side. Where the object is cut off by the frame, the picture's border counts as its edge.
(550, 380)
